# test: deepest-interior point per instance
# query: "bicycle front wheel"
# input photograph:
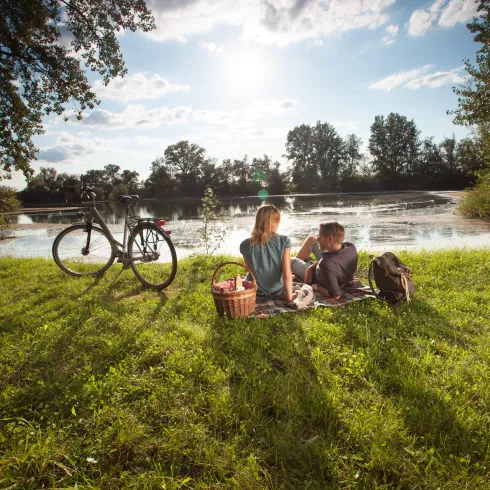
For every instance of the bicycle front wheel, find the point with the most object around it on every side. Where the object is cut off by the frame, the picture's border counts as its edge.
(153, 257)
(82, 253)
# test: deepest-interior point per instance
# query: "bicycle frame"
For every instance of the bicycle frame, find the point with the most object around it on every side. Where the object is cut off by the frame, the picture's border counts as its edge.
(118, 248)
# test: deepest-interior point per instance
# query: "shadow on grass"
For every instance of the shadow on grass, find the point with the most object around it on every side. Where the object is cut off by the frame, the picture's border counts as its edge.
(282, 406)
(403, 355)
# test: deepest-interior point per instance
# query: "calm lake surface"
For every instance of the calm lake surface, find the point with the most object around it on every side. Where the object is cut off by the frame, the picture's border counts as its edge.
(374, 222)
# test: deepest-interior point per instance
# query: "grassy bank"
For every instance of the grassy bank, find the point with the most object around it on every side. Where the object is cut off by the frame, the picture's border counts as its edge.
(105, 384)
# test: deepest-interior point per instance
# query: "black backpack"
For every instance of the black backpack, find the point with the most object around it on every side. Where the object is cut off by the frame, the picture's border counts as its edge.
(392, 279)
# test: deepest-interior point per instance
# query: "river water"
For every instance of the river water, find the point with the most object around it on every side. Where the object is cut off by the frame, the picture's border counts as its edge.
(373, 221)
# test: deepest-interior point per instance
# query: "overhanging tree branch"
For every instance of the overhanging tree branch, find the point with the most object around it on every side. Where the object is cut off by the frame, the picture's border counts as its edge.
(38, 76)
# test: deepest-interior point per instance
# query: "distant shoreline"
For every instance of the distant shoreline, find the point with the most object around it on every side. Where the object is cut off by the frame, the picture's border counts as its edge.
(58, 207)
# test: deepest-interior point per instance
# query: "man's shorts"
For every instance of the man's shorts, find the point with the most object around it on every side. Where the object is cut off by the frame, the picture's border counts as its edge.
(298, 266)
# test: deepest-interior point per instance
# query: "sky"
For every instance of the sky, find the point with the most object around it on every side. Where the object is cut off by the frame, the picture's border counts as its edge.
(234, 76)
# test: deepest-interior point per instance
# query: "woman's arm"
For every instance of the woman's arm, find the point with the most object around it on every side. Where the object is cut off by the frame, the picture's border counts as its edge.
(287, 275)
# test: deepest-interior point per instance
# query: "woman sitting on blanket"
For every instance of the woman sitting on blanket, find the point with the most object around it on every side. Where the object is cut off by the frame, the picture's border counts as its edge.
(267, 255)
(336, 260)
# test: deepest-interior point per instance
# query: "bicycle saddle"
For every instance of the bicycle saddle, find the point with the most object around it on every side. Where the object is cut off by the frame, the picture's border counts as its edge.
(125, 200)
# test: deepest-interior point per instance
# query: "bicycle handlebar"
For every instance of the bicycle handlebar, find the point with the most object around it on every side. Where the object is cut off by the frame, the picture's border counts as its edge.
(88, 194)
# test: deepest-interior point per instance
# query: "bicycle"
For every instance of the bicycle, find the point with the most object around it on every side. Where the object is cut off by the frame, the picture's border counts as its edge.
(86, 249)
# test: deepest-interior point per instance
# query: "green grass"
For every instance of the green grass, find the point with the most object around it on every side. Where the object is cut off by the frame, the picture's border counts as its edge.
(106, 384)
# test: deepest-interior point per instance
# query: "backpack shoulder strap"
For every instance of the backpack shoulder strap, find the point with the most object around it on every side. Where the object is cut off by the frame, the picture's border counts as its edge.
(370, 277)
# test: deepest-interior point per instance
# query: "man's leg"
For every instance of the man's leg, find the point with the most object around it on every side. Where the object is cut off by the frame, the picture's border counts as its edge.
(305, 251)
(298, 267)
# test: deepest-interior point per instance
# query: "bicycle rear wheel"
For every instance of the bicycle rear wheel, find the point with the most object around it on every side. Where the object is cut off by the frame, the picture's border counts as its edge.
(79, 253)
(153, 257)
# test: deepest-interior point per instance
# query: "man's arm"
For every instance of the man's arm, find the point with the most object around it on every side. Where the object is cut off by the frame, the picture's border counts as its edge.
(310, 274)
(329, 282)
(324, 292)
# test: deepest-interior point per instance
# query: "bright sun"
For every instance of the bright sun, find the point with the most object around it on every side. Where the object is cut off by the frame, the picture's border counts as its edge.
(245, 70)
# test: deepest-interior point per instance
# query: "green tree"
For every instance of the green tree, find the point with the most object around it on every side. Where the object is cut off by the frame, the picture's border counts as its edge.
(96, 179)
(448, 150)
(47, 179)
(130, 179)
(469, 154)
(394, 145)
(49, 185)
(300, 152)
(241, 177)
(119, 190)
(277, 181)
(260, 170)
(329, 155)
(474, 95)
(224, 178)
(432, 164)
(160, 182)
(185, 161)
(112, 175)
(39, 74)
(208, 174)
(8, 203)
(353, 156)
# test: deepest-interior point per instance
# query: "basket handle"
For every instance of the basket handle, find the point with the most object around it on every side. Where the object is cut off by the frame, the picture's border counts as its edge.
(213, 284)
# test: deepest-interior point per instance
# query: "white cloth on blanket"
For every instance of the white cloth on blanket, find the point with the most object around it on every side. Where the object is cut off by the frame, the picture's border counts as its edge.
(303, 296)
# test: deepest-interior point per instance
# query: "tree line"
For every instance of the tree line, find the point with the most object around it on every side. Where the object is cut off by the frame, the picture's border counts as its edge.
(319, 160)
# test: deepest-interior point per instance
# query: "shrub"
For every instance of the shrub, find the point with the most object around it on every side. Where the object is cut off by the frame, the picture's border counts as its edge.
(476, 203)
(8, 202)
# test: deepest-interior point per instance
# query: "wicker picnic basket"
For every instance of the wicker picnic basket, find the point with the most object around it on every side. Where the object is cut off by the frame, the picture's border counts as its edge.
(236, 303)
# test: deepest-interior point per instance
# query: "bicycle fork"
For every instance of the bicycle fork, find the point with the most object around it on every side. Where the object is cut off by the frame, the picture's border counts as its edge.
(86, 249)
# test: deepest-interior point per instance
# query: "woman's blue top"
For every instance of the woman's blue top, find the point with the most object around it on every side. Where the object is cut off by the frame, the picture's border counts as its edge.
(266, 263)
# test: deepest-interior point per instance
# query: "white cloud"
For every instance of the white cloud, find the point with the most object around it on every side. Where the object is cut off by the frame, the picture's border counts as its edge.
(448, 15)
(419, 23)
(75, 147)
(54, 154)
(458, 11)
(138, 116)
(212, 47)
(318, 43)
(436, 80)
(259, 109)
(238, 134)
(150, 142)
(278, 22)
(84, 150)
(134, 116)
(388, 41)
(415, 79)
(392, 30)
(137, 87)
(389, 83)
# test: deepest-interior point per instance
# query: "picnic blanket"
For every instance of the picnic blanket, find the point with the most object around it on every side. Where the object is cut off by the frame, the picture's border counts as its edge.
(355, 291)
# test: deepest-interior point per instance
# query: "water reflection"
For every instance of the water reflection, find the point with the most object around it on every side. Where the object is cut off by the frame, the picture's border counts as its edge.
(372, 221)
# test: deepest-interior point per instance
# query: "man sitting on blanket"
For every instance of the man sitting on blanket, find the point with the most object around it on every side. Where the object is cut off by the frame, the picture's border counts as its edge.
(336, 261)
